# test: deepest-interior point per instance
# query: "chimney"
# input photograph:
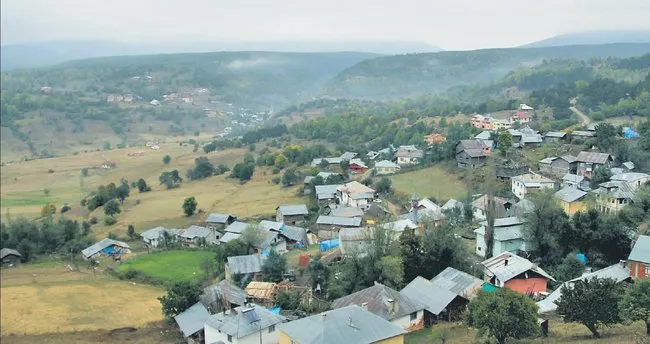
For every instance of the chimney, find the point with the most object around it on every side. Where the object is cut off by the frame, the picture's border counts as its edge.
(323, 316)
(364, 305)
(622, 263)
(392, 306)
(350, 321)
(505, 262)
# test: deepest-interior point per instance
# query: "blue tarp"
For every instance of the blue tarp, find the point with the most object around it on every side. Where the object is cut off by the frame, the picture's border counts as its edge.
(274, 310)
(265, 252)
(629, 133)
(298, 245)
(329, 244)
(488, 287)
(109, 250)
(582, 258)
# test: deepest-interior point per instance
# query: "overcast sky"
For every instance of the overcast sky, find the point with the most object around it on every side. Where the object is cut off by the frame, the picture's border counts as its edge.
(450, 24)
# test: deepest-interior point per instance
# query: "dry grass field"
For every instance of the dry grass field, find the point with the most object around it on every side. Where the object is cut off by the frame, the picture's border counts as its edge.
(41, 299)
(23, 186)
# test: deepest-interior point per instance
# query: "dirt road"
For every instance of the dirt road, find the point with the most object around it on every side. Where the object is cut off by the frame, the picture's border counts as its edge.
(585, 120)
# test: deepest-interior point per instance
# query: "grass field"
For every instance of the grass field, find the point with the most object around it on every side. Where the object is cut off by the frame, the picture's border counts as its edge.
(154, 334)
(430, 182)
(293, 256)
(48, 298)
(559, 332)
(170, 266)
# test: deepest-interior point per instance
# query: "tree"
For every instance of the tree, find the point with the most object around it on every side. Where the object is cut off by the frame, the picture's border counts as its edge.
(570, 268)
(142, 186)
(601, 175)
(131, 232)
(591, 302)
(122, 191)
(280, 161)
(112, 207)
(383, 186)
(319, 274)
(605, 136)
(203, 168)
(503, 313)
(289, 177)
(171, 179)
(251, 236)
(48, 210)
(189, 206)
(208, 266)
(504, 141)
(544, 225)
(274, 267)
(180, 296)
(635, 304)
(167, 159)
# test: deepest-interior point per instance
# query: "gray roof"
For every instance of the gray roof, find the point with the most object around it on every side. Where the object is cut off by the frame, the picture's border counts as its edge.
(569, 158)
(583, 133)
(237, 323)
(293, 209)
(218, 218)
(434, 297)
(615, 189)
(327, 191)
(641, 250)
(548, 160)
(223, 290)
(192, 320)
(330, 161)
(229, 236)
(506, 222)
(531, 138)
(629, 165)
(267, 239)
(323, 175)
(251, 263)
(195, 231)
(409, 152)
(515, 266)
(573, 178)
(484, 135)
(104, 243)
(387, 164)
(237, 227)
(295, 233)
(334, 327)
(157, 232)
(270, 225)
(593, 157)
(451, 204)
(7, 251)
(400, 225)
(348, 156)
(344, 211)
(470, 145)
(557, 134)
(378, 299)
(524, 206)
(458, 282)
(570, 194)
(629, 176)
(339, 221)
(353, 234)
(616, 272)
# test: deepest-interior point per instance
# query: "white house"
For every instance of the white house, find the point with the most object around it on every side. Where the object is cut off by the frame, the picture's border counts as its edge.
(248, 324)
(530, 182)
(508, 236)
(408, 155)
(154, 237)
(633, 179)
(355, 194)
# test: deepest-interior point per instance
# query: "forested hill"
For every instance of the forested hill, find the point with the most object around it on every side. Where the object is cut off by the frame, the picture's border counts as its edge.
(415, 74)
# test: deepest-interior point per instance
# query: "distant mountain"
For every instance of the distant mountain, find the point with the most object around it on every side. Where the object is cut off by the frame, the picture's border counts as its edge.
(594, 38)
(50, 53)
(415, 74)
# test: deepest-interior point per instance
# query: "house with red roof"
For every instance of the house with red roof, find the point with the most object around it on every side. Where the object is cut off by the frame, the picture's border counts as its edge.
(520, 117)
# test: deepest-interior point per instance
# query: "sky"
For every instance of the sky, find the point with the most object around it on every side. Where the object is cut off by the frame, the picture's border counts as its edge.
(450, 24)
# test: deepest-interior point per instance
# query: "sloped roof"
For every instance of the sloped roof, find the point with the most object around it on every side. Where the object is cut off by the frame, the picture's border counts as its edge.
(270, 225)
(8, 252)
(458, 282)
(348, 156)
(238, 323)
(532, 180)
(484, 135)
(251, 263)
(400, 225)
(378, 299)
(434, 297)
(237, 227)
(548, 160)
(229, 236)
(358, 162)
(470, 144)
(293, 209)
(294, 233)
(408, 152)
(557, 134)
(573, 178)
(218, 218)
(339, 221)
(354, 188)
(615, 189)
(481, 202)
(593, 157)
(629, 165)
(157, 232)
(570, 194)
(102, 244)
(515, 266)
(261, 290)
(192, 320)
(226, 290)
(504, 233)
(353, 234)
(351, 324)
(583, 133)
(323, 175)
(387, 164)
(629, 176)
(641, 250)
(344, 211)
(569, 158)
(327, 191)
(451, 204)
(195, 231)
(506, 222)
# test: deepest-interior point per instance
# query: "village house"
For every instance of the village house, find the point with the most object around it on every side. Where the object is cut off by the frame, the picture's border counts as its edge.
(520, 117)
(348, 156)
(522, 208)
(344, 211)
(633, 179)
(559, 166)
(330, 161)
(574, 181)
(482, 122)
(582, 134)
(108, 247)
(354, 241)
(508, 169)
(233, 231)
(323, 175)
(589, 161)
(248, 265)
(530, 182)
(507, 270)
(434, 138)
(472, 153)
(337, 222)
(291, 214)
(194, 234)
(398, 227)
(424, 210)
(500, 124)
(611, 197)
(10, 257)
(508, 236)
(435, 299)
(191, 322)
(390, 304)
(572, 200)
(502, 207)
(625, 167)
(639, 259)
(555, 137)
(616, 272)
(357, 166)
(219, 221)
(326, 193)
(223, 295)
(351, 324)
(458, 282)
(385, 167)
(249, 324)
(155, 237)
(408, 155)
(525, 108)
(355, 194)
(295, 237)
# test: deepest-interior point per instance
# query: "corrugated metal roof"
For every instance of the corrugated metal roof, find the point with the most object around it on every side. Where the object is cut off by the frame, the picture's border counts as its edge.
(270, 225)
(557, 134)
(350, 324)
(570, 194)
(218, 218)
(248, 264)
(7, 251)
(353, 234)
(294, 233)
(573, 178)
(583, 133)
(157, 232)
(629, 176)
(569, 158)
(237, 324)
(593, 157)
(548, 160)
(223, 291)
(104, 243)
(348, 155)
(378, 299)
(327, 191)
(434, 297)
(387, 164)
(504, 233)
(505, 222)
(458, 282)
(237, 227)
(339, 221)
(451, 204)
(484, 135)
(229, 236)
(359, 163)
(515, 266)
(293, 209)
(192, 320)
(344, 211)
(641, 250)
(195, 231)
(400, 225)
(532, 180)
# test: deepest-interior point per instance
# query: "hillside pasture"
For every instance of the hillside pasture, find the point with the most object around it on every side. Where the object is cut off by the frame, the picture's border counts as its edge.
(169, 266)
(48, 298)
(433, 182)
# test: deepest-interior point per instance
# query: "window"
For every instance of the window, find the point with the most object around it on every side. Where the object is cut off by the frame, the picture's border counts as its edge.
(229, 339)
(414, 316)
(271, 328)
(647, 270)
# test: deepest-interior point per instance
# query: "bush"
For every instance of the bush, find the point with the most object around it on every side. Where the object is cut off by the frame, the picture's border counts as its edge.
(276, 180)
(93, 220)
(108, 220)
(65, 208)
(275, 170)
(50, 171)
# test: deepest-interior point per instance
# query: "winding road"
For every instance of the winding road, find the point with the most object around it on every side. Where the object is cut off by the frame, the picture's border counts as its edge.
(583, 117)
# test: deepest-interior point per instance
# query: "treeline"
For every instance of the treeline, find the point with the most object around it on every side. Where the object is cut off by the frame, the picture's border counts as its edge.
(264, 133)
(106, 193)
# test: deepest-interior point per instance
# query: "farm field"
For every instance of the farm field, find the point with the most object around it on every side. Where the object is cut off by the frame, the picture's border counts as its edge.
(169, 266)
(147, 335)
(430, 182)
(48, 298)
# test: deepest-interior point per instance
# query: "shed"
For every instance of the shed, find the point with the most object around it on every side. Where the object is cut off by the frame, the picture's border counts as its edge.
(244, 265)
(10, 257)
(106, 246)
(263, 292)
(219, 220)
(436, 299)
(291, 213)
(191, 321)
(223, 295)
(458, 282)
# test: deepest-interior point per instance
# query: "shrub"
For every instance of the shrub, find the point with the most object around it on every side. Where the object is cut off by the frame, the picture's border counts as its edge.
(50, 171)
(109, 220)
(65, 208)
(276, 180)
(93, 220)
(275, 170)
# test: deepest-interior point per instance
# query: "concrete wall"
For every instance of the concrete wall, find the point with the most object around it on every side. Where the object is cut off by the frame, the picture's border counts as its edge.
(573, 207)
(509, 245)
(481, 247)
(405, 322)
(213, 335)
